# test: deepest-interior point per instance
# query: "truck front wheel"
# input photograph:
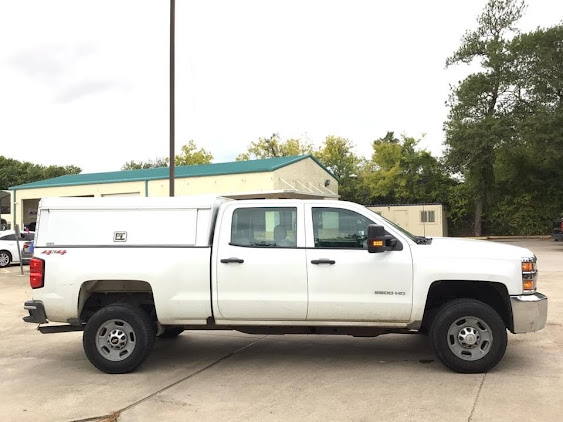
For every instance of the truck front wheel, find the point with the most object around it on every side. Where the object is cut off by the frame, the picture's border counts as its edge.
(468, 336)
(118, 338)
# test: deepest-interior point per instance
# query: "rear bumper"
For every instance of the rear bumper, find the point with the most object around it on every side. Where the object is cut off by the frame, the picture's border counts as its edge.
(557, 236)
(36, 312)
(529, 312)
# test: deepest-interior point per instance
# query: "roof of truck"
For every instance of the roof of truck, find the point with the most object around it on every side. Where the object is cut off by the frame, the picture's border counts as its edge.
(216, 169)
(193, 201)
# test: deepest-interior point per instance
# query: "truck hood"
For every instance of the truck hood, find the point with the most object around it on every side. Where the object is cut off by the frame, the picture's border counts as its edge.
(452, 247)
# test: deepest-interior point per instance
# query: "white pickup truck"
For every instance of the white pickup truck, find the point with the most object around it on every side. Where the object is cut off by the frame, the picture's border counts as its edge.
(270, 266)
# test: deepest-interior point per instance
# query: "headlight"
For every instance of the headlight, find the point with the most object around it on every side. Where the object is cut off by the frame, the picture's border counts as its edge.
(529, 275)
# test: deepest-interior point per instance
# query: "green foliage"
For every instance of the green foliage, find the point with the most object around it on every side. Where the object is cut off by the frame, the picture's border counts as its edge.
(275, 147)
(337, 155)
(14, 172)
(504, 133)
(398, 172)
(150, 164)
(479, 121)
(460, 207)
(192, 155)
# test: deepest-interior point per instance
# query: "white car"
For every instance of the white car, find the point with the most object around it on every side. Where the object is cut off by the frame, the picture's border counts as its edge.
(9, 249)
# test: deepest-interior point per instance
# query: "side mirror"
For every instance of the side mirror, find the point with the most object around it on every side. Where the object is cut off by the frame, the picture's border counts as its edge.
(376, 239)
(379, 242)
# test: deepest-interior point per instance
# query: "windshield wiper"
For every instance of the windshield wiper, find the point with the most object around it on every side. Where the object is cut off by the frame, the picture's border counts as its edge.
(421, 240)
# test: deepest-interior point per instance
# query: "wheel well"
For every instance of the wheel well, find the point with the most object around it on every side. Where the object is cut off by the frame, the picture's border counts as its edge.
(96, 294)
(8, 252)
(493, 294)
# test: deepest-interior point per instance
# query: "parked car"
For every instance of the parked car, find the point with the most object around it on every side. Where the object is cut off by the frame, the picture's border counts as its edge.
(27, 250)
(9, 249)
(557, 233)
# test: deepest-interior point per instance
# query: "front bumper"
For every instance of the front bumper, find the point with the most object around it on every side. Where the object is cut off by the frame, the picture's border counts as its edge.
(36, 312)
(529, 312)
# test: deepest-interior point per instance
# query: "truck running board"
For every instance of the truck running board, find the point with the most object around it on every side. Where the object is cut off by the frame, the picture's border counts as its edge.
(51, 329)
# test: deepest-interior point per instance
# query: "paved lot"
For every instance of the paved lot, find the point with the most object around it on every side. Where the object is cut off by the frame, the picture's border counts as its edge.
(232, 376)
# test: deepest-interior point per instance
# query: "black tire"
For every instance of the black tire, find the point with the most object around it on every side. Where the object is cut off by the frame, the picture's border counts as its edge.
(138, 332)
(171, 332)
(451, 341)
(5, 259)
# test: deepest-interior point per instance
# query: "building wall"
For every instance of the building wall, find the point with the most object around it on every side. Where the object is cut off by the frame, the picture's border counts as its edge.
(305, 175)
(223, 184)
(409, 217)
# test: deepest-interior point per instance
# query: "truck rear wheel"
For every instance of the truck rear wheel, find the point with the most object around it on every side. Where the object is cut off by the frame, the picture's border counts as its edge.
(468, 336)
(118, 338)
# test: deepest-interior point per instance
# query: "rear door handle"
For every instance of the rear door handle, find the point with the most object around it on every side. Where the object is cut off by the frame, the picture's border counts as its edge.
(232, 260)
(323, 261)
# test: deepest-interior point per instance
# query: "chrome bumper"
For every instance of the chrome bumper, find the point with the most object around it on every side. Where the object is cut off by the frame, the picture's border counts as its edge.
(529, 312)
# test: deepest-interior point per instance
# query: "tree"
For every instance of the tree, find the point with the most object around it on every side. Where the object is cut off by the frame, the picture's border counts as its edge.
(192, 155)
(275, 147)
(400, 173)
(156, 163)
(528, 170)
(14, 172)
(337, 155)
(478, 122)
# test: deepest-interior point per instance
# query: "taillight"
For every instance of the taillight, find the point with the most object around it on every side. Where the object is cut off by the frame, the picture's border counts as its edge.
(561, 225)
(36, 273)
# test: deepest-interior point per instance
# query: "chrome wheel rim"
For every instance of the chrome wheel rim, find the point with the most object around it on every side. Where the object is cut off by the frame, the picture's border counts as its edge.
(115, 340)
(470, 338)
(4, 259)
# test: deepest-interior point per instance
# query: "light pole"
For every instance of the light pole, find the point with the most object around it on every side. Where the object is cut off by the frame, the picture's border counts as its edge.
(172, 102)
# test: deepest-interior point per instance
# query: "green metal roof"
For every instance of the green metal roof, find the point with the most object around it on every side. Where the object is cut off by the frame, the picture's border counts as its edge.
(233, 167)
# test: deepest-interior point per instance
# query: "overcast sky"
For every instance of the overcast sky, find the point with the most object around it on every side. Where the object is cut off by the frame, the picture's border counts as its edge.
(86, 82)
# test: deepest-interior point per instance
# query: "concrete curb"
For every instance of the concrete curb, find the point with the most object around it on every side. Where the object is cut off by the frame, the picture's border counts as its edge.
(509, 237)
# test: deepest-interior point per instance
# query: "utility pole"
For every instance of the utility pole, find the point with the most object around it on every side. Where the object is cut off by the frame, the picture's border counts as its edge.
(172, 102)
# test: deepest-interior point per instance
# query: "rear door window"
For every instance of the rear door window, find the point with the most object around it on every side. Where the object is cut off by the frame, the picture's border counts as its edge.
(274, 227)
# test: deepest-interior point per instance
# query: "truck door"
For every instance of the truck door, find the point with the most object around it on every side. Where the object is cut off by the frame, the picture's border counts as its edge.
(260, 267)
(346, 283)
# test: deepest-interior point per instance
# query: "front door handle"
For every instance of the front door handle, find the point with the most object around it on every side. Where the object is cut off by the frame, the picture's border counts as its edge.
(323, 261)
(232, 260)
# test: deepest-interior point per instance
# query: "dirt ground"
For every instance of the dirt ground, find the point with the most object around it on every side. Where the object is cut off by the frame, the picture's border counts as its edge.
(232, 376)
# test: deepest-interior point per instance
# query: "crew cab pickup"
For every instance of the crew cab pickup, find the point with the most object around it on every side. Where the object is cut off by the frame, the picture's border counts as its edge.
(270, 266)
